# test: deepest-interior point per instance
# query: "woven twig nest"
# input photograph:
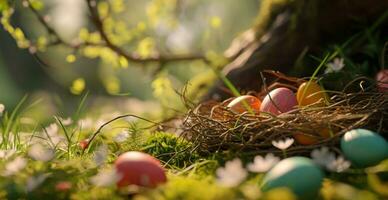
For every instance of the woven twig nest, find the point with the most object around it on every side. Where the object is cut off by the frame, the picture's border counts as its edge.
(213, 127)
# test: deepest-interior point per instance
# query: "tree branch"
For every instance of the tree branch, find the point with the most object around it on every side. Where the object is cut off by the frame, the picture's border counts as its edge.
(94, 15)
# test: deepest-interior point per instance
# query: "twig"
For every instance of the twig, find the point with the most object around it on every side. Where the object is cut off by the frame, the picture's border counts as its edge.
(98, 23)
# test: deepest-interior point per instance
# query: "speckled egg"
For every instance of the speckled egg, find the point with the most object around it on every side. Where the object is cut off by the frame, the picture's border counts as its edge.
(364, 147)
(299, 174)
(311, 93)
(278, 101)
(237, 104)
(382, 79)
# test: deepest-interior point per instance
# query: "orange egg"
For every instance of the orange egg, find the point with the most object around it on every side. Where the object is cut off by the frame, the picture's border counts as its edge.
(305, 139)
(311, 93)
(241, 103)
(309, 139)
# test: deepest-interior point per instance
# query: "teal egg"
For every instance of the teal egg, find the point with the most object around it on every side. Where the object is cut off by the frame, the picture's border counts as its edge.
(363, 147)
(299, 174)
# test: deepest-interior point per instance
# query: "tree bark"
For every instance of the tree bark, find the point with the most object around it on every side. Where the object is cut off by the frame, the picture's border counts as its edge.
(292, 27)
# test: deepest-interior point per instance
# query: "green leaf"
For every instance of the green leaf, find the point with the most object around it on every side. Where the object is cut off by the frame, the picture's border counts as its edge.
(3, 5)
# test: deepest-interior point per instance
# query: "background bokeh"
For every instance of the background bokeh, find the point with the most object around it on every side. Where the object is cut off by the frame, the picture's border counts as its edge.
(174, 27)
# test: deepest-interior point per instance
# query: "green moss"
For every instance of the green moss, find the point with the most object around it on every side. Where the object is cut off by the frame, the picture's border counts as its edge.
(189, 189)
(173, 150)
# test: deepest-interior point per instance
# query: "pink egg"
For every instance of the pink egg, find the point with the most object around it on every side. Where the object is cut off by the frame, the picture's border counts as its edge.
(382, 79)
(278, 101)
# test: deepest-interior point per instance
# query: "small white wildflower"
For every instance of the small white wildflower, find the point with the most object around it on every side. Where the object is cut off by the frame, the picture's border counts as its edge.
(262, 164)
(52, 129)
(66, 121)
(232, 174)
(35, 181)
(99, 123)
(121, 137)
(339, 165)
(283, 144)
(335, 66)
(101, 154)
(322, 156)
(2, 108)
(54, 137)
(86, 123)
(105, 178)
(15, 166)
(39, 152)
(5, 154)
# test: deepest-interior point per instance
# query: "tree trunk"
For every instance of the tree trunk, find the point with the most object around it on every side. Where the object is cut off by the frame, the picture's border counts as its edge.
(286, 29)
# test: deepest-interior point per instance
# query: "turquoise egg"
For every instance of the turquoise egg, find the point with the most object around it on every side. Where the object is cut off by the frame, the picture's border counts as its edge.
(299, 174)
(363, 147)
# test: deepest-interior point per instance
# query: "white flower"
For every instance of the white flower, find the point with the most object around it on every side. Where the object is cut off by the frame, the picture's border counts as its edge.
(66, 121)
(86, 123)
(335, 66)
(121, 137)
(5, 154)
(34, 182)
(339, 165)
(326, 159)
(53, 136)
(99, 123)
(39, 152)
(263, 164)
(101, 154)
(15, 166)
(232, 174)
(52, 129)
(283, 144)
(322, 156)
(105, 178)
(2, 108)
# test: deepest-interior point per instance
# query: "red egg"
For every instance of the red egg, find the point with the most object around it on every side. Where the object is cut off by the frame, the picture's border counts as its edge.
(84, 144)
(137, 168)
(382, 79)
(237, 104)
(63, 186)
(278, 101)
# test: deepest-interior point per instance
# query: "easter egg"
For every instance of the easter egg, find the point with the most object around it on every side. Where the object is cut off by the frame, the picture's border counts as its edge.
(278, 101)
(237, 105)
(305, 139)
(84, 144)
(382, 79)
(311, 93)
(137, 168)
(299, 174)
(364, 147)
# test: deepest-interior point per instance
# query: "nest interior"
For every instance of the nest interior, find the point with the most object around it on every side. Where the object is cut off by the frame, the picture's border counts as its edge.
(212, 127)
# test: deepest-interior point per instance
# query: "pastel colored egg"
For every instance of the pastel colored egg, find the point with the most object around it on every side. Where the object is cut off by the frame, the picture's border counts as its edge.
(311, 93)
(364, 147)
(279, 101)
(299, 174)
(137, 168)
(237, 105)
(382, 79)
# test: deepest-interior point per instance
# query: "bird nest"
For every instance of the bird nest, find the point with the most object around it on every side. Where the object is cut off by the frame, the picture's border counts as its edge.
(213, 127)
